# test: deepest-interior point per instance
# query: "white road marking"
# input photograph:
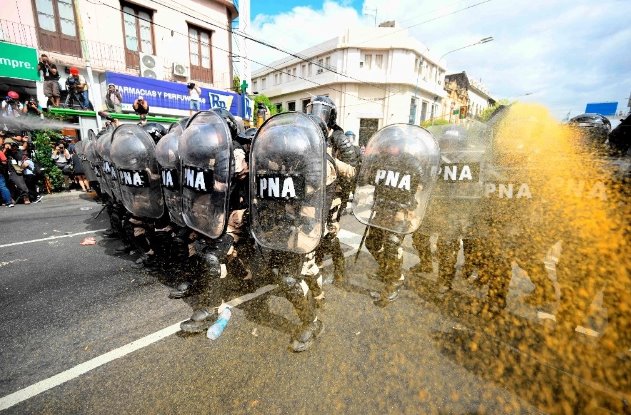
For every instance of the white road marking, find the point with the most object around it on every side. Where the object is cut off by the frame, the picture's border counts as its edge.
(348, 238)
(50, 238)
(5, 263)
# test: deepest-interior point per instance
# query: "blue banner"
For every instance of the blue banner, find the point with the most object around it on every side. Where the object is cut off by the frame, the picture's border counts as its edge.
(164, 94)
(602, 108)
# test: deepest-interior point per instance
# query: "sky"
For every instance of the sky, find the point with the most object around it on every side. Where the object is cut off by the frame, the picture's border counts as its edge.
(559, 53)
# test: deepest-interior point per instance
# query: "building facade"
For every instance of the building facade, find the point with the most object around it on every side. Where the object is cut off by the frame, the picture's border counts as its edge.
(466, 97)
(151, 43)
(376, 77)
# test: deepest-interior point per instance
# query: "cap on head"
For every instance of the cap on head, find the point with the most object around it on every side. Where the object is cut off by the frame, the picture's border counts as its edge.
(110, 84)
(141, 98)
(13, 95)
(74, 71)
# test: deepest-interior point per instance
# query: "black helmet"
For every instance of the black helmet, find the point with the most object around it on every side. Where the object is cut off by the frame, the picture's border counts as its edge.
(155, 130)
(324, 108)
(232, 122)
(247, 136)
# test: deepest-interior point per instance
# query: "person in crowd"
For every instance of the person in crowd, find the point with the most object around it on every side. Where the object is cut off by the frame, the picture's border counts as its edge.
(51, 80)
(31, 107)
(11, 106)
(194, 93)
(4, 175)
(78, 173)
(15, 171)
(141, 108)
(63, 160)
(30, 178)
(77, 89)
(113, 99)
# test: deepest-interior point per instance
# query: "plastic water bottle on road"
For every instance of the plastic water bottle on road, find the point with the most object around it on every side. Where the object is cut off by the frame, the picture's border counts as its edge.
(216, 329)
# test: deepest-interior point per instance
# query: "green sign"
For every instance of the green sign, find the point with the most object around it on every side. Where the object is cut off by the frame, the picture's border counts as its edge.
(18, 62)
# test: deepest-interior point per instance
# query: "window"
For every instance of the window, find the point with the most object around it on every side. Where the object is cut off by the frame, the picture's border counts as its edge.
(279, 107)
(254, 86)
(416, 65)
(57, 26)
(327, 62)
(412, 110)
(379, 61)
(291, 106)
(199, 47)
(293, 72)
(303, 70)
(320, 63)
(367, 61)
(263, 83)
(138, 30)
(309, 72)
(305, 102)
(275, 79)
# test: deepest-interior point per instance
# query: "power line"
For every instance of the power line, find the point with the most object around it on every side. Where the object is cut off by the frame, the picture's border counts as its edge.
(233, 55)
(269, 45)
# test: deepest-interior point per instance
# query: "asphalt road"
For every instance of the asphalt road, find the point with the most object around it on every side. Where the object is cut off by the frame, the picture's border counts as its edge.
(83, 332)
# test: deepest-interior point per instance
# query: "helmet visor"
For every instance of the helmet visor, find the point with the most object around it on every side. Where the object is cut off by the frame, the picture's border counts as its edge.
(321, 110)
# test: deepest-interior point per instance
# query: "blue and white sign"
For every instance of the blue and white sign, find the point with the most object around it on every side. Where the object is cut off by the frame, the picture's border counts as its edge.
(173, 95)
(603, 108)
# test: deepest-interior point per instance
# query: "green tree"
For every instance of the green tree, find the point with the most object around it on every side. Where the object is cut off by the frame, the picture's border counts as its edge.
(43, 148)
(236, 84)
(486, 113)
(260, 98)
(428, 123)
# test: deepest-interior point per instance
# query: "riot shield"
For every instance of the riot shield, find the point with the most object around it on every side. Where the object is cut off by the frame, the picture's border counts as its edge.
(108, 168)
(205, 150)
(168, 159)
(454, 205)
(287, 183)
(83, 156)
(104, 167)
(395, 181)
(133, 153)
(92, 157)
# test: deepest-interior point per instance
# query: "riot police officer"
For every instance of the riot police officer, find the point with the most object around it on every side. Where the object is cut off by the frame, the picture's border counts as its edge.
(395, 181)
(342, 164)
(214, 186)
(288, 210)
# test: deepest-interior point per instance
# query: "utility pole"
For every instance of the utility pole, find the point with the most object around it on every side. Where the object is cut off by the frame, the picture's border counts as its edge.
(95, 90)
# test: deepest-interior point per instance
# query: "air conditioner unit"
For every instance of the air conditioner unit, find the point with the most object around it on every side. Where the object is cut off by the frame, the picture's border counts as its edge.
(179, 69)
(319, 71)
(150, 67)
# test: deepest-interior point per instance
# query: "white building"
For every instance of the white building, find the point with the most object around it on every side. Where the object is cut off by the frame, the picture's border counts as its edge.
(376, 76)
(177, 42)
(479, 98)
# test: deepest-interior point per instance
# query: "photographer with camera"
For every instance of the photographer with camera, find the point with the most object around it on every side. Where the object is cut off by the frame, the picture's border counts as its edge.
(51, 80)
(113, 99)
(31, 107)
(141, 108)
(11, 106)
(63, 160)
(77, 89)
(194, 93)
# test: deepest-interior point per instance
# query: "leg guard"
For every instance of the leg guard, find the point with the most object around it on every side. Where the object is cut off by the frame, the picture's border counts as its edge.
(420, 241)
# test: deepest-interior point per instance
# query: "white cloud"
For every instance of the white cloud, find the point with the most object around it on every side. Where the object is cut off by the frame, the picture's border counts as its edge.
(563, 53)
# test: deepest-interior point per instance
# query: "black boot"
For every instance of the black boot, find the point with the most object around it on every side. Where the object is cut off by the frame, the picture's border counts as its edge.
(304, 340)
(200, 321)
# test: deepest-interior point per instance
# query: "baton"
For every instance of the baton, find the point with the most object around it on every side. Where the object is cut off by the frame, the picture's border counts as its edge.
(100, 211)
(361, 243)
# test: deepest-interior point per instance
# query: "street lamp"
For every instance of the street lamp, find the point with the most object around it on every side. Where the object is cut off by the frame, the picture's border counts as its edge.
(479, 42)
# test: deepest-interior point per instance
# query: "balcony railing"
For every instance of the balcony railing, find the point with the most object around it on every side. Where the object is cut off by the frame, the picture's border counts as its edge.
(18, 33)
